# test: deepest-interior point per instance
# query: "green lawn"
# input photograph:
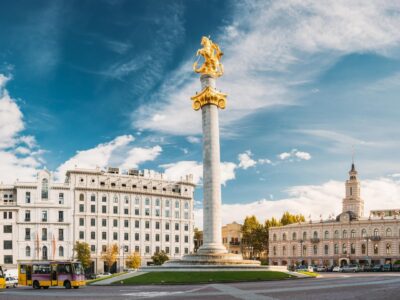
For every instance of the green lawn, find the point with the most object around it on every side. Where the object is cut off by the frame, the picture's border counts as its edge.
(102, 278)
(203, 277)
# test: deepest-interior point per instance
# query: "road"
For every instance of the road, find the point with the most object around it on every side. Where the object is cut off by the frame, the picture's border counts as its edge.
(329, 286)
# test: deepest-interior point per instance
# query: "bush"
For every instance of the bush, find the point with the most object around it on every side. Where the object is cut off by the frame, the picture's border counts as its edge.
(160, 258)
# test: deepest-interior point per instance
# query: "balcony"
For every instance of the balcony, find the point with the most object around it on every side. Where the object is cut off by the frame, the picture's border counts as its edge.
(314, 240)
(375, 238)
(234, 243)
(60, 219)
(27, 219)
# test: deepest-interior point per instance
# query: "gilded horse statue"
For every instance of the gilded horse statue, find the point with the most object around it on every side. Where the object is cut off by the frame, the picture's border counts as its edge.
(212, 55)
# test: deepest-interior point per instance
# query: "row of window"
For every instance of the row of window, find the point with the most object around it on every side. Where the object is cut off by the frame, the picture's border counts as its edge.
(147, 211)
(44, 216)
(364, 249)
(136, 235)
(147, 201)
(147, 224)
(388, 233)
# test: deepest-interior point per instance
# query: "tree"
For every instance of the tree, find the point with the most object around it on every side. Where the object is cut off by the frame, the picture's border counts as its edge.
(288, 218)
(198, 235)
(160, 258)
(110, 255)
(82, 250)
(253, 236)
(133, 261)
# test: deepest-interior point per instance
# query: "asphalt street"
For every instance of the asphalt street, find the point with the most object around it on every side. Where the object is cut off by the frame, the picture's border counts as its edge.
(328, 286)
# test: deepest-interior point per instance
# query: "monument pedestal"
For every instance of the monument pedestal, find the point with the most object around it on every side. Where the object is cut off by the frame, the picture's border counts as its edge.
(212, 260)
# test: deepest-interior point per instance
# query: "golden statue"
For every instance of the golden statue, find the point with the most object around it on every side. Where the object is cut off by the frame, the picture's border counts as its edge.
(212, 55)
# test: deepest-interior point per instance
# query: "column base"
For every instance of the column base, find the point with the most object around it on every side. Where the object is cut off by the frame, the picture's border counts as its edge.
(211, 259)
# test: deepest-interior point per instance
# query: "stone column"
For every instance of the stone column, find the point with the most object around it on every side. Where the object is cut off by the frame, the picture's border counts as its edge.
(212, 224)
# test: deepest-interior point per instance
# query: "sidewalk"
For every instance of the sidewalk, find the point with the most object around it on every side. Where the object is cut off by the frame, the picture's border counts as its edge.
(118, 278)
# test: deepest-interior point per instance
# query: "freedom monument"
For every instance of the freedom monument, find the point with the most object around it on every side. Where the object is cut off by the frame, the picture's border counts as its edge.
(209, 100)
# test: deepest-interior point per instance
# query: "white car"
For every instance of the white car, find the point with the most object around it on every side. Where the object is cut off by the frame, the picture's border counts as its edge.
(11, 282)
(337, 269)
(351, 268)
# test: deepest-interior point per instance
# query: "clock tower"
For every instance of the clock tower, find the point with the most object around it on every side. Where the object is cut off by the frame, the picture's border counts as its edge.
(353, 202)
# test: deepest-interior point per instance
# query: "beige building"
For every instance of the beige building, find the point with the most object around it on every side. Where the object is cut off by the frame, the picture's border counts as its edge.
(232, 237)
(350, 238)
(139, 211)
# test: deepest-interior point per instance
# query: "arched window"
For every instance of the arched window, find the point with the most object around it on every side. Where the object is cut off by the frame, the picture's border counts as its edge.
(376, 249)
(388, 248)
(304, 250)
(126, 198)
(336, 234)
(326, 249)
(315, 235)
(376, 232)
(147, 201)
(363, 249)
(336, 249)
(27, 251)
(81, 197)
(186, 205)
(388, 232)
(284, 237)
(364, 233)
(157, 202)
(45, 188)
(284, 251)
(344, 249)
(176, 204)
(304, 235)
(167, 203)
(353, 234)
(61, 251)
(326, 235)
(315, 250)
(352, 249)
(294, 251)
(344, 234)
(274, 237)
(115, 199)
(294, 236)
(44, 252)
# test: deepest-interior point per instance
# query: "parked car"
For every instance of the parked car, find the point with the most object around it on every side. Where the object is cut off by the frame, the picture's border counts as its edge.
(11, 282)
(377, 268)
(351, 268)
(396, 267)
(337, 269)
(387, 268)
(305, 268)
(366, 268)
(321, 269)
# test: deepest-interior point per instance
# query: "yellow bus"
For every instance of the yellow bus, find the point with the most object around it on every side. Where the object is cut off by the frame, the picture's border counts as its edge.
(2, 279)
(51, 273)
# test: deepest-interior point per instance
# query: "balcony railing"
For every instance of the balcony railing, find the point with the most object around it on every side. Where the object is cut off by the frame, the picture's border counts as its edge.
(314, 240)
(375, 238)
(234, 243)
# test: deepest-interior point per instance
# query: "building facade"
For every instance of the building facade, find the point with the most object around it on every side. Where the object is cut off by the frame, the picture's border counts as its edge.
(232, 237)
(139, 211)
(350, 238)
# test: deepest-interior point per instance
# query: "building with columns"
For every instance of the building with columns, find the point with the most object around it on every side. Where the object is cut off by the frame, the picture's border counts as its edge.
(140, 211)
(350, 238)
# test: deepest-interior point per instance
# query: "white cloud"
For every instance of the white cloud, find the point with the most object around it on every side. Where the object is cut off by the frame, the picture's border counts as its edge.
(16, 160)
(178, 170)
(11, 122)
(119, 152)
(98, 156)
(273, 47)
(245, 160)
(138, 155)
(294, 155)
(193, 139)
(314, 200)
(264, 161)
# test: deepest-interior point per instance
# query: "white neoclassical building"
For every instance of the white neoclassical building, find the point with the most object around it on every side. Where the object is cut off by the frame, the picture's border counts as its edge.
(350, 238)
(139, 211)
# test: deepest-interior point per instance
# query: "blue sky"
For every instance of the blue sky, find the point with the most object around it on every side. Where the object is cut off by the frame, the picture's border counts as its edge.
(108, 83)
